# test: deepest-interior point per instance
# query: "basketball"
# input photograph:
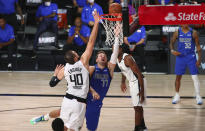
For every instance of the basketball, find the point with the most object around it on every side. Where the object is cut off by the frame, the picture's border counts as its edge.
(115, 8)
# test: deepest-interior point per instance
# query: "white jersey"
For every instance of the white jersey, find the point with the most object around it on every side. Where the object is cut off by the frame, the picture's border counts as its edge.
(77, 77)
(126, 70)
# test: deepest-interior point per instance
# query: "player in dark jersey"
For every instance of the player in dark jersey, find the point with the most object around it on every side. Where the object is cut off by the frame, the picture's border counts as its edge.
(188, 39)
(101, 76)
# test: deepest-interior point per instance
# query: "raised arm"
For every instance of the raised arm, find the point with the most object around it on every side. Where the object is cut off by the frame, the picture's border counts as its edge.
(129, 62)
(113, 59)
(89, 49)
(57, 76)
(198, 48)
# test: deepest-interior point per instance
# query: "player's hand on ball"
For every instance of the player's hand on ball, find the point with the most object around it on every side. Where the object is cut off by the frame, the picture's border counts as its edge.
(58, 68)
(176, 53)
(123, 87)
(96, 96)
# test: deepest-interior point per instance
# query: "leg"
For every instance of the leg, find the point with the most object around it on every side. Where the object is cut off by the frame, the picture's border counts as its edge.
(139, 118)
(176, 98)
(55, 30)
(92, 117)
(42, 27)
(52, 114)
(12, 20)
(180, 68)
(194, 71)
(178, 83)
(10, 52)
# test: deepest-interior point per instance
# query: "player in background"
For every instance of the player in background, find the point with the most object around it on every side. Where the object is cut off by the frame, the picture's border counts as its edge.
(101, 75)
(137, 82)
(188, 39)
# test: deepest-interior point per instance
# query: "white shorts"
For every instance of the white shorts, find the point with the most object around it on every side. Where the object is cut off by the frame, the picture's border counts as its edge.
(72, 113)
(134, 90)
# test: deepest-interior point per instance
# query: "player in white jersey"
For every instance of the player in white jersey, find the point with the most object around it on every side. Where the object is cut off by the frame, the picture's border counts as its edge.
(137, 82)
(76, 73)
(103, 65)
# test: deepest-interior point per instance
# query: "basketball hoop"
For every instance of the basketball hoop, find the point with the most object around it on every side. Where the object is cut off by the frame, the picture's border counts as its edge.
(111, 22)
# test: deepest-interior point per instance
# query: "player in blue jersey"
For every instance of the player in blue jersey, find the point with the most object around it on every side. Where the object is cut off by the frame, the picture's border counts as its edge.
(185, 57)
(101, 75)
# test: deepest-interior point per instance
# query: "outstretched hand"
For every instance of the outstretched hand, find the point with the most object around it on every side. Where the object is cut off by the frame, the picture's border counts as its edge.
(58, 68)
(96, 16)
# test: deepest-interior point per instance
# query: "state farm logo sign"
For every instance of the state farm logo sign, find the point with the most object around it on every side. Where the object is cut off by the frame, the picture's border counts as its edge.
(170, 17)
(182, 16)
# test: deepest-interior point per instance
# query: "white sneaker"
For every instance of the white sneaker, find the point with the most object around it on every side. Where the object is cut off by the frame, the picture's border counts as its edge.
(199, 100)
(176, 99)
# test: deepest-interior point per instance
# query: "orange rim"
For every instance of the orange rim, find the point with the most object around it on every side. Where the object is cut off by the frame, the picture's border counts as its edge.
(112, 19)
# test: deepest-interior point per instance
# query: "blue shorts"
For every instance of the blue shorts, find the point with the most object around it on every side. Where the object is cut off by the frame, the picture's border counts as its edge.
(92, 116)
(182, 62)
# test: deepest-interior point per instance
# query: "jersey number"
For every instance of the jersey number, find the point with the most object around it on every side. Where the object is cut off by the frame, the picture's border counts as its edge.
(77, 79)
(187, 45)
(105, 82)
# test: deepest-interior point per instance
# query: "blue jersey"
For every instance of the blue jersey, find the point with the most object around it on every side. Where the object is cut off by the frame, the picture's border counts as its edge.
(100, 82)
(186, 44)
(137, 35)
(84, 31)
(47, 10)
(6, 34)
(87, 12)
(7, 6)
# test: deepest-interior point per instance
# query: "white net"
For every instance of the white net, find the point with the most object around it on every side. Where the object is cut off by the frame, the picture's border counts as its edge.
(111, 24)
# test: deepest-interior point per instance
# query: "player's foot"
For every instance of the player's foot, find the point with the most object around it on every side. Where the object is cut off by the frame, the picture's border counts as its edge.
(199, 100)
(140, 128)
(176, 99)
(37, 119)
(144, 128)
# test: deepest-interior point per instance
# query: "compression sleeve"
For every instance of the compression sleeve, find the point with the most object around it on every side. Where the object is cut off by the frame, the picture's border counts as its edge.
(114, 55)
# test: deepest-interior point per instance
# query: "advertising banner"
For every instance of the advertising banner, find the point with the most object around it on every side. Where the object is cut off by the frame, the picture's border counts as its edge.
(171, 14)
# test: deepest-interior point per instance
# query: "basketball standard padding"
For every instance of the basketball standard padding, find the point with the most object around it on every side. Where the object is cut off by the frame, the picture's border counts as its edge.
(115, 8)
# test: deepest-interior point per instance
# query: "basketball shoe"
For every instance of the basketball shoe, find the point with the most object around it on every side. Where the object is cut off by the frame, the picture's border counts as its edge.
(38, 119)
(176, 99)
(199, 100)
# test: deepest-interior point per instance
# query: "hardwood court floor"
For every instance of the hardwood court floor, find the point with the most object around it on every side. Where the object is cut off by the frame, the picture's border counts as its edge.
(117, 113)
